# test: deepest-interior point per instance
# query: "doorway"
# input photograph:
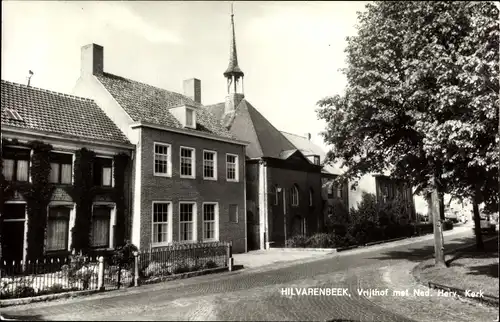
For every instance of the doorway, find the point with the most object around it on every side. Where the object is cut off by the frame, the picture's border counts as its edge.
(13, 232)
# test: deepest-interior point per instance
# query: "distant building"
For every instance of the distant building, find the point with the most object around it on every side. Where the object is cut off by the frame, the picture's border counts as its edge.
(283, 185)
(33, 225)
(189, 170)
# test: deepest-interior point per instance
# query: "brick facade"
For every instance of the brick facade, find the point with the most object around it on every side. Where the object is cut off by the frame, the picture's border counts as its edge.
(175, 189)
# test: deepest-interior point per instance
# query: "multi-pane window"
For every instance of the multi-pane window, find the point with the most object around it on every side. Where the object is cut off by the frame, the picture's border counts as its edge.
(61, 168)
(209, 165)
(162, 162)
(16, 164)
(101, 226)
(233, 213)
(187, 162)
(295, 196)
(103, 172)
(186, 221)
(161, 212)
(58, 228)
(209, 221)
(232, 167)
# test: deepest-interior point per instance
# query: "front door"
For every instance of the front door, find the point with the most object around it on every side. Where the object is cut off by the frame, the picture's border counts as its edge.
(12, 231)
(253, 232)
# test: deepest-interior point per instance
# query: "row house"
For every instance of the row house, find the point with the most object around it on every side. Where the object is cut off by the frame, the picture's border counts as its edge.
(65, 175)
(283, 192)
(188, 170)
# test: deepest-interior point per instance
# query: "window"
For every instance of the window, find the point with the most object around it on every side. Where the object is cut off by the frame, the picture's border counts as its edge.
(186, 222)
(13, 114)
(162, 160)
(190, 118)
(232, 167)
(295, 196)
(233, 213)
(276, 195)
(58, 228)
(16, 164)
(310, 197)
(101, 227)
(187, 163)
(161, 219)
(330, 190)
(103, 172)
(339, 191)
(61, 168)
(209, 165)
(210, 222)
(316, 160)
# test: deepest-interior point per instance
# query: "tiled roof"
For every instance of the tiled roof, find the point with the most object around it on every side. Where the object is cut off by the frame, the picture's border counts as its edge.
(249, 125)
(58, 113)
(146, 103)
(307, 147)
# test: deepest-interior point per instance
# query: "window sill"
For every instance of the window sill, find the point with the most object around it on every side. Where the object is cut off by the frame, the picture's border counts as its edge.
(232, 180)
(165, 175)
(187, 177)
(210, 179)
(166, 244)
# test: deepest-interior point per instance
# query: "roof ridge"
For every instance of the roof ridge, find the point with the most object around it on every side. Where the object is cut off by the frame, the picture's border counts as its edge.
(301, 136)
(48, 91)
(153, 86)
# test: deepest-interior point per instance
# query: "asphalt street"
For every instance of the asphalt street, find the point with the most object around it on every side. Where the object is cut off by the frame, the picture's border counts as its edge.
(259, 294)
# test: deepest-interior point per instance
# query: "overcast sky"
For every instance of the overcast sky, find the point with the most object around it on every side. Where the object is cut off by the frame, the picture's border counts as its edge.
(290, 52)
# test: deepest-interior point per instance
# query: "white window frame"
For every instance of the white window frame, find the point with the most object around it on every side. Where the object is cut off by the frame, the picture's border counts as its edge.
(16, 160)
(72, 218)
(112, 222)
(194, 221)
(236, 168)
(103, 156)
(169, 160)
(216, 221)
(295, 196)
(169, 224)
(193, 163)
(193, 118)
(72, 166)
(215, 165)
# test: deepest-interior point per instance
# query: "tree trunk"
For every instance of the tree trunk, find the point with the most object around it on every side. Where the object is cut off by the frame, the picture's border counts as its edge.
(428, 198)
(438, 227)
(477, 225)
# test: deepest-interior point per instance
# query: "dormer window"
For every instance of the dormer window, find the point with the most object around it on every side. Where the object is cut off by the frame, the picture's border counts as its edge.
(316, 160)
(186, 115)
(190, 122)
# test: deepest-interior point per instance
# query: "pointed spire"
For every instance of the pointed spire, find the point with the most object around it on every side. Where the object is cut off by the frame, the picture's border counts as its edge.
(233, 69)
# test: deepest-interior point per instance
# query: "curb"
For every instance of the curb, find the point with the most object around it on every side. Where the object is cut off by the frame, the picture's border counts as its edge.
(487, 299)
(49, 297)
(304, 249)
(182, 276)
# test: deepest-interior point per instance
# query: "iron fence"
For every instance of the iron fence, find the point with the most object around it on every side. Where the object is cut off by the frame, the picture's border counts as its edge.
(49, 276)
(160, 262)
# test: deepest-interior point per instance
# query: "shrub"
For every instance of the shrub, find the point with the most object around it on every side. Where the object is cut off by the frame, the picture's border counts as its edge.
(447, 225)
(179, 268)
(298, 241)
(156, 269)
(80, 269)
(124, 255)
(24, 291)
(320, 241)
(210, 264)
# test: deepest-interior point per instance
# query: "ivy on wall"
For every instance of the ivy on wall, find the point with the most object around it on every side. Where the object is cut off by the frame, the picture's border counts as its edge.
(36, 193)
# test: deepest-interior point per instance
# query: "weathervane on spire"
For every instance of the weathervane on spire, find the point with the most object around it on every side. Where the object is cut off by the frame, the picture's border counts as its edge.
(233, 72)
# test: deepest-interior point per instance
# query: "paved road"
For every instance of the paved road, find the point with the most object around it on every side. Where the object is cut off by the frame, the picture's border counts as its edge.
(257, 295)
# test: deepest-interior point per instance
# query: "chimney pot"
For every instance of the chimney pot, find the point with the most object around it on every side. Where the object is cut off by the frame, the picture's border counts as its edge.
(92, 60)
(192, 89)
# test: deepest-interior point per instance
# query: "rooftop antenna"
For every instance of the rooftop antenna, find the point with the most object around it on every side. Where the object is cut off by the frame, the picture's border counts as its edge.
(29, 77)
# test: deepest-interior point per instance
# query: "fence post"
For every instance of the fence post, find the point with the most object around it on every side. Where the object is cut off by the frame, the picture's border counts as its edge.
(230, 260)
(136, 268)
(100, 276)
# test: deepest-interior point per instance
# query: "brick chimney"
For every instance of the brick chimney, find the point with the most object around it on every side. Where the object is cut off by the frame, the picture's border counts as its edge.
(192, 89)
(92, 60)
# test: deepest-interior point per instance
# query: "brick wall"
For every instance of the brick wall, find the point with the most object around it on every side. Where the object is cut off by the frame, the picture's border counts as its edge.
(305, 180)
(198, 190)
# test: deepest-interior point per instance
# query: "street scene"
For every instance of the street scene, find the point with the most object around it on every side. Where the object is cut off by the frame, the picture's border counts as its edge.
(250, 161)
